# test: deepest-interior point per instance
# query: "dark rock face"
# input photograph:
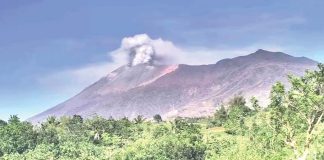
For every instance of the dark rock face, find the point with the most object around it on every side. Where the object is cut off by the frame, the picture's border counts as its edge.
(181, 90)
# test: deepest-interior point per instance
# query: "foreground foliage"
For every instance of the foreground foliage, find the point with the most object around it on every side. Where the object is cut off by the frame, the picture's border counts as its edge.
(291, 127)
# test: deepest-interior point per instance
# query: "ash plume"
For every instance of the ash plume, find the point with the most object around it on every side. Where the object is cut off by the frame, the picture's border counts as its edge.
(141, 49)
(141, 54)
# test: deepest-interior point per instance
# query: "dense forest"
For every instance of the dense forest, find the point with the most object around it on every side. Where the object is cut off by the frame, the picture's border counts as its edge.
(291, 127)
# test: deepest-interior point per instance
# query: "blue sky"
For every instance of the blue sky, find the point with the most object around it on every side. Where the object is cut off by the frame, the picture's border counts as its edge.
(43, 43)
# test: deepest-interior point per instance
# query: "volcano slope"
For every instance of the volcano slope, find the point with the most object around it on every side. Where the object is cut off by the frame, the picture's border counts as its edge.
(180, 90)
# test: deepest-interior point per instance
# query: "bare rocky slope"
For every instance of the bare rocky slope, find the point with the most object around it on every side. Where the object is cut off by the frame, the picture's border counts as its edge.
(180, 90)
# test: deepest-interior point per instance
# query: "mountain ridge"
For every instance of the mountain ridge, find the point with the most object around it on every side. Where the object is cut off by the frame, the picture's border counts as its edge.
(180, 90)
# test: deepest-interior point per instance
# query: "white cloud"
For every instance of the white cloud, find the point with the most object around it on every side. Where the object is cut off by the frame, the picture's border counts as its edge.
(165, 52)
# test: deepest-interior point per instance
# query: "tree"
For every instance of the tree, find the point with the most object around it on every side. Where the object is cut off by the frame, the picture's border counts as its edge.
(296, 114)
(220, 117)
(76, 119)
(139, 119)
(48, 132)
(98, 125)
(74, 124)
(2, 123)
(237, 113)
(122, 127)
(255, 104)
(277, 108)
(16, 136)
(157, 118)
(14, 119)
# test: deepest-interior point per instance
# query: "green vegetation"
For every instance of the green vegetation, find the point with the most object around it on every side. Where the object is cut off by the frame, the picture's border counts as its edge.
(291, 127)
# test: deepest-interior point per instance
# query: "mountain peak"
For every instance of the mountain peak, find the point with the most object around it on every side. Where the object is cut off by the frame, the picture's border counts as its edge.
(266, 52)
(262, 51)
(269, 55)
(262, 54)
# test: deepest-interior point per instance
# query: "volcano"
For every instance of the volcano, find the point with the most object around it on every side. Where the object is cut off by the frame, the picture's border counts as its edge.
(180, 90)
